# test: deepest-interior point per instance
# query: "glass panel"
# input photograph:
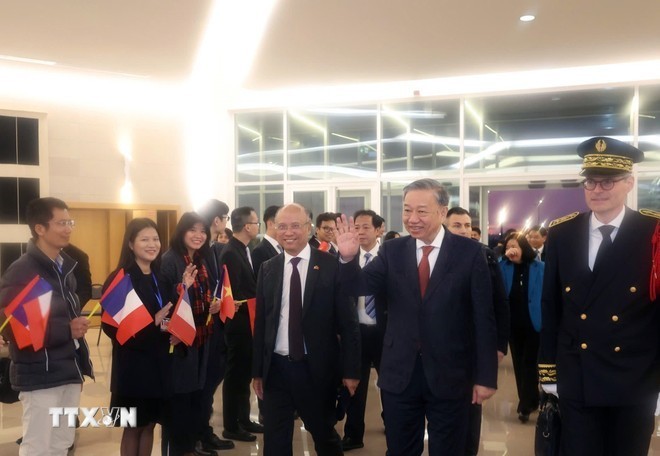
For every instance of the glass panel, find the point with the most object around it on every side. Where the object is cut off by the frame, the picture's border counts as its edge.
(260, 144)
(314, 202)
(422, 135)
(648, 193)
(28, 141)
(518, 207)
(8, 140)
(331, 143)
(541, 129)
(350, 201)
(649, 124)
(28, 189)
(9, 200)
(259, 198)
(392, 202)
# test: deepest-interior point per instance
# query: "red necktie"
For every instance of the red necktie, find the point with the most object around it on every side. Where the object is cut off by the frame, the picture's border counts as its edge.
(296, 339)
(424, 269)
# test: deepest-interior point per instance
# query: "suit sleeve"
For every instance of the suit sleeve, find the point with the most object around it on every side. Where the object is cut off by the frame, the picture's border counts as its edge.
(259, 328)
(349, 330)
(484, 324)
(550, 312)
(500, 302)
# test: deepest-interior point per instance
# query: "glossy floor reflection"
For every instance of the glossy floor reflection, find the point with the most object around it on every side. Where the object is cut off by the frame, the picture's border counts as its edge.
(502, 433)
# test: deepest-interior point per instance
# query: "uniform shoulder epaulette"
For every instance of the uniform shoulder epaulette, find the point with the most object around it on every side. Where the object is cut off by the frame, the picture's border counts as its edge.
(563, 219)
(650, 213)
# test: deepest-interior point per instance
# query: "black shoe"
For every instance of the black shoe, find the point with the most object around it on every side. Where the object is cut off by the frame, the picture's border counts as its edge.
(348, 444)
(240, 435)
(216, 443)
(254, 428)
(200, 451)
(523, 417)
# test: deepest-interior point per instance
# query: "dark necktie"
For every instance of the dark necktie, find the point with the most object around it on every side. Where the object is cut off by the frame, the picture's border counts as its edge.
(296, 344)
(605, 244)
(369, 301)
(424, 269)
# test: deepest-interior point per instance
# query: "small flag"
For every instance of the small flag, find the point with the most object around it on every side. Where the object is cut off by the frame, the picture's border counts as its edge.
(252, 309)
(28, 313)
(182, 323)
(227, 306)
(324, 246)
(124, 309)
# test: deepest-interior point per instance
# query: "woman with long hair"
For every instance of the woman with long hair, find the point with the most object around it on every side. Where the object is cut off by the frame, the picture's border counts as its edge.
(140, 367)
(523, 280)
(187, 266)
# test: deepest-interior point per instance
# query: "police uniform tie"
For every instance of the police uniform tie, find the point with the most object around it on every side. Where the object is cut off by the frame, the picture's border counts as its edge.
(369, 301)
(424, 269)
(296, 343)
(605, 244)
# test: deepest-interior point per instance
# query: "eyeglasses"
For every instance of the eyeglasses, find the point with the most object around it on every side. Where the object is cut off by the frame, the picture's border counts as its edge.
(328, 229)
(63, 223)
(605, 184)
(224, 218)
(254, 223)
(293, 227)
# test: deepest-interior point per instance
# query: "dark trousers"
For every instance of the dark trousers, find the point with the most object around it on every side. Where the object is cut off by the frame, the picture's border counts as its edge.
(290, 387)
(406, 412)
(372, 347)
(215, 372)
(606, 431)
(474, 430)
(238, 373)
(182, 422)
(524, 344)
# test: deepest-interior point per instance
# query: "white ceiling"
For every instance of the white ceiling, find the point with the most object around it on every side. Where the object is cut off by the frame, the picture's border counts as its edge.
(340, 41)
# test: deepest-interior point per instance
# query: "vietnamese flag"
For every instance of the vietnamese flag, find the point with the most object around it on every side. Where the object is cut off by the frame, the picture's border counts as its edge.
(227, 306)
(252, 310)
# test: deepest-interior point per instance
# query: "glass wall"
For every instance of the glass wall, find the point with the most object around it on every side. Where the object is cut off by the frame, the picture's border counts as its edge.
(471, 143)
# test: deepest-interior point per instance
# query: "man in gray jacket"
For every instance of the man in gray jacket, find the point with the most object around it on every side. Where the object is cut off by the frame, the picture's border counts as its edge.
(53, 375)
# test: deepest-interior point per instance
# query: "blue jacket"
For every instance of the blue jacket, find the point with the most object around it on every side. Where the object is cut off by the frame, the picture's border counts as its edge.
(534, 288)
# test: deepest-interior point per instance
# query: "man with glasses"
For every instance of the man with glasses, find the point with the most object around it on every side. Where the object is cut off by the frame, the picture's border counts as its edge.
(238, 335)
(601, 329)
(325, 234)
(51, 376)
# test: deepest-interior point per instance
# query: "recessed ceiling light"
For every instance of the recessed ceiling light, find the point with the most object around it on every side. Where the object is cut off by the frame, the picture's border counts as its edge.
(527, 18)
(26, 60)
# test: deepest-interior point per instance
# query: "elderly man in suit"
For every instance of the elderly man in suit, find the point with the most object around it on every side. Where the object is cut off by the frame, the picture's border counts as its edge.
(440, 346)
(298, 356)
(600, 340)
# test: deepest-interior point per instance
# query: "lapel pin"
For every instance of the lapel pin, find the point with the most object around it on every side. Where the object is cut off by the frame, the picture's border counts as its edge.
(316, 267)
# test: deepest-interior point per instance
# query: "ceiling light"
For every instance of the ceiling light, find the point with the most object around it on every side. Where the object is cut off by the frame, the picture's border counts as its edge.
(527, 18)
(27, 60)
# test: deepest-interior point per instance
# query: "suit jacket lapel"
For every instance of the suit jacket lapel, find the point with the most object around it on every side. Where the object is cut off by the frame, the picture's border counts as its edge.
(313, 271)
(410, 266)
(581, 273)
(278, 279)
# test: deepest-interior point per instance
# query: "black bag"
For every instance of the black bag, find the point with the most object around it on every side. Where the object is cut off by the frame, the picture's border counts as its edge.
(548, 427)
(7, 394)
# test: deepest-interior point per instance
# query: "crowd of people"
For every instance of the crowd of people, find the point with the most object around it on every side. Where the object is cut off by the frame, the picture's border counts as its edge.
(433, 313)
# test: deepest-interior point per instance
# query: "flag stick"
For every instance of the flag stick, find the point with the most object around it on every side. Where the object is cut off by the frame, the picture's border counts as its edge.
(96, 307)
(171, 348)
(5, 323)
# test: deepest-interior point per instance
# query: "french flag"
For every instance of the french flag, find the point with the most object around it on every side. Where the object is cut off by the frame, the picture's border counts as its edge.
(182, 323)
(28, 313)
(124, 309)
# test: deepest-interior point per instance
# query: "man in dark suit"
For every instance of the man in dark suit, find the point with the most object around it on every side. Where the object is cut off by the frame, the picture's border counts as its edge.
(536, 237)
(325, 233)
(601, 327)
(371, 315)
(440, 347)
(238, 335)
(459, 222)
(268, 247)
(298, 356)
(215, 212)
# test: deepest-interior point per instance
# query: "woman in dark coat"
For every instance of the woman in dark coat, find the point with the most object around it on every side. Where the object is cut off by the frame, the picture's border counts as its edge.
(140, 367)
(523, 280)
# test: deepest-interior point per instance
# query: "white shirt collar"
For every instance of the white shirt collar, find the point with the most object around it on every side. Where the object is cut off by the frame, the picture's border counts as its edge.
(373, 251)
(616, 223)
(304, 254)
(437, 242)
(273, 242)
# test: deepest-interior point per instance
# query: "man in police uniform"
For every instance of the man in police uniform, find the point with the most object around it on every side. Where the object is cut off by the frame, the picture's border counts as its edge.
(601, 326)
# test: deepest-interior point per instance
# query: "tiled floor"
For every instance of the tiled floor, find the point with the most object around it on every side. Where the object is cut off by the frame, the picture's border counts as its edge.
(502, 433)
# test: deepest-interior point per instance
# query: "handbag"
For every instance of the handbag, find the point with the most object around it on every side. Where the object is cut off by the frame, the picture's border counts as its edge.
(7, 394)
(548, 427)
